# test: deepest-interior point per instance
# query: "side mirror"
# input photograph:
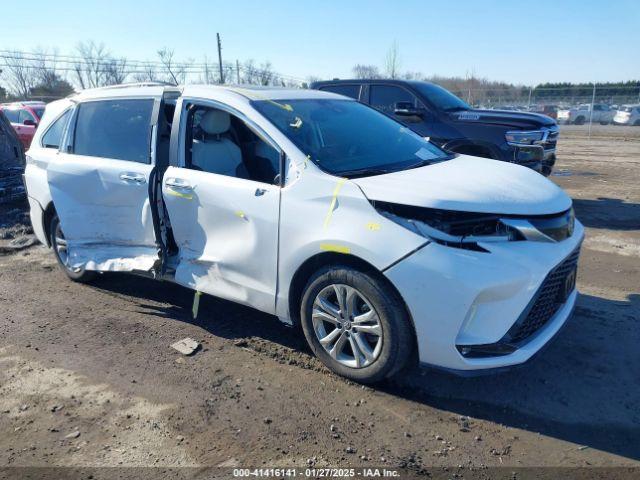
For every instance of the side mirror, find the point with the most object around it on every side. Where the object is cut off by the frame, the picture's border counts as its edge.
(407, 109)
(29, 123)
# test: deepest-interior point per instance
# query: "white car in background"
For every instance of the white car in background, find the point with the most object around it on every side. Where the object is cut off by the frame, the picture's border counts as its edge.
(313, 207)
(602, 114)
(627, 115)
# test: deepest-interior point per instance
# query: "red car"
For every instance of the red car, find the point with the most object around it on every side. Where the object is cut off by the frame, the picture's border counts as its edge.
(24, 118)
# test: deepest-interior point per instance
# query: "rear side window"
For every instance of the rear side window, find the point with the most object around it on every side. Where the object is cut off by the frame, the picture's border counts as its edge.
(352, 91)
(118, 129)
(53, 137)
(385, 97)
(12, 115)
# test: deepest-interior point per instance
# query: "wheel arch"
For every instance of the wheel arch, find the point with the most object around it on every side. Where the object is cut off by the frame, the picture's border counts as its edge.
(313, 264)
(49, 212)
(466, 147)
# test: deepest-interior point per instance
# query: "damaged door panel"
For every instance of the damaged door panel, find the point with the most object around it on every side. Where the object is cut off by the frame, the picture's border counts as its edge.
(100, 184)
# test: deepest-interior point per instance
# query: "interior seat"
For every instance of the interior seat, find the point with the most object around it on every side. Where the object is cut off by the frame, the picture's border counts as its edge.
(217, 153)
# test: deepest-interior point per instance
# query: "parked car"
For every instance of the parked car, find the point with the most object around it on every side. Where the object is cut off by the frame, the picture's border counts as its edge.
(524, 138)
(315, 208)
(581, 114)
(627, 115)
(24, 118)
(11, 163)
(548, 110)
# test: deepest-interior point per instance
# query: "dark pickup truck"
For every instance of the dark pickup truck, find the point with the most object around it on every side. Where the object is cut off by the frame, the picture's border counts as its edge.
(524, 138)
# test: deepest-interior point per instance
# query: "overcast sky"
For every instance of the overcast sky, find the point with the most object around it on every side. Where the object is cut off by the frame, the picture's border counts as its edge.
(524, 42)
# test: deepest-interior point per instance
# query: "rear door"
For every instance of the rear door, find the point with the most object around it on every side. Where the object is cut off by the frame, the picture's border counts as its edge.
(99, 183)
(224, 207)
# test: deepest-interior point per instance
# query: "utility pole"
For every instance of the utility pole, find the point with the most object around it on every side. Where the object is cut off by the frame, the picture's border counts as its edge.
(238, 71)
(529, 104)
(220, 58)
(593, 100)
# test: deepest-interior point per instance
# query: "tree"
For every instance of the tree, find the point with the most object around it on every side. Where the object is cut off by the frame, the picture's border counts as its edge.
(176, 73)
(90, 68)
(392, 61)
(115, 71)
(20, 74)
(149, 73)
(366, 71)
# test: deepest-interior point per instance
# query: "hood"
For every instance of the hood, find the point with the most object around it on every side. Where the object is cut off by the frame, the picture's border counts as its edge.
(523, 120)
(470, 184)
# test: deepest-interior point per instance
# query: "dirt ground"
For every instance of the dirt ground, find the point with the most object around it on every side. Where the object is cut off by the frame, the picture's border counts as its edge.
(87, 377)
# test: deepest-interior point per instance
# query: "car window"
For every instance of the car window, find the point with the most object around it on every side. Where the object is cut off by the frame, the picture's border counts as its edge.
(25, 115)
(39, 112)
(221, 143)
(12, 115)
(352, 91)
(385, 97)
(344, 137)
(53, 136)
(118, 129)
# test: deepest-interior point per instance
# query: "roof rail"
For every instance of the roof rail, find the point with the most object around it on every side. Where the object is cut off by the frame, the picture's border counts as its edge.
(135, 84)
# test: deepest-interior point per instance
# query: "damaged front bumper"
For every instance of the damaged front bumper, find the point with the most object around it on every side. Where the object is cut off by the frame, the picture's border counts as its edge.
(463, 301)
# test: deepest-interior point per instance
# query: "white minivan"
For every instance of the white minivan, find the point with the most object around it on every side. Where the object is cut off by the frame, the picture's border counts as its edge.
(313, 207)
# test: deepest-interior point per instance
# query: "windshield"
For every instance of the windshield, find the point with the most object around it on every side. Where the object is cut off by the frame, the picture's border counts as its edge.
(441, 98)
(347, 138)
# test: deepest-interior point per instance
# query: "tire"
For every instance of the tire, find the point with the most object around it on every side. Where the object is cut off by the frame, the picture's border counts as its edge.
(579, 121)
(636, 123)
(55, 239)
(388, 342)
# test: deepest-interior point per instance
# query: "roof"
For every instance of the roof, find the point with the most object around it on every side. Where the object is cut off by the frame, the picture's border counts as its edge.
(246, 92)
(390, 81)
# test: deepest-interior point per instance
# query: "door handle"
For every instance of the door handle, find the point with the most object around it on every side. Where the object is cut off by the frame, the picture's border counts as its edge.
(133, 177)
(260, 191)
(178, 183)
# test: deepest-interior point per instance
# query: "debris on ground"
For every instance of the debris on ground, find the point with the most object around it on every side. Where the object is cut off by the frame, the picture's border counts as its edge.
(186, 346)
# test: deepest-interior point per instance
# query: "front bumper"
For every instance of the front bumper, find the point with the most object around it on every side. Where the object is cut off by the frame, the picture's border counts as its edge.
(461, 297)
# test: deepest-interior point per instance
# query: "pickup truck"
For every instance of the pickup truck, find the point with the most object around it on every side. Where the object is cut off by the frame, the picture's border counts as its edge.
(524, 138)
(581, 114)
(313, 207)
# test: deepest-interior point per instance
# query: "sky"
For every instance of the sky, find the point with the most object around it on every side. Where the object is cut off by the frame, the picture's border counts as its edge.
(521, 42)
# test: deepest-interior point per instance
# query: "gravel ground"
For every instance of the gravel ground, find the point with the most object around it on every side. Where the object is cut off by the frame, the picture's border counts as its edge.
(87, 377)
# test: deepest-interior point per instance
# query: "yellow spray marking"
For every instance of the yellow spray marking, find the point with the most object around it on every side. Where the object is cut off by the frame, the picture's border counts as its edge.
(196, 304)
(239, 213)
(330, 247)
(254, 95)
(373, 226)
(334, 199)
(179, 194)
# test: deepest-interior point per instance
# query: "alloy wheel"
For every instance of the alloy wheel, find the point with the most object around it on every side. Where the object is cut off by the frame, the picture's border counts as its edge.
(347, 326)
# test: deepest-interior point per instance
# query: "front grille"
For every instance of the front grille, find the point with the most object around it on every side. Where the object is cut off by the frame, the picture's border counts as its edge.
(550, 297)
(551, 141)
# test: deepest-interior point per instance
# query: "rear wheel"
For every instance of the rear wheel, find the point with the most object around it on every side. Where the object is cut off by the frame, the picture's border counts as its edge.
(579, 121)
(356, 324)
(59, 246)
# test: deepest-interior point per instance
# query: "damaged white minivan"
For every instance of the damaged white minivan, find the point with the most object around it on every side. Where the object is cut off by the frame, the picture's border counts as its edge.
(315, 208)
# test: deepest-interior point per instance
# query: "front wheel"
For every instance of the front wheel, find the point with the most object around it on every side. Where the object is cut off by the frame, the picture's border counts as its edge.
(59, 246)
(356, 324)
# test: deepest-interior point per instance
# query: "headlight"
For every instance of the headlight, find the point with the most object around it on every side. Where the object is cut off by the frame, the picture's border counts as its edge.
(451, 228)
(521, 137)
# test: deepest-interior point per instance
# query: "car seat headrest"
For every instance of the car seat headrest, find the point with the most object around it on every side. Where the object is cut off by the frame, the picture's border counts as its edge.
(215, 122)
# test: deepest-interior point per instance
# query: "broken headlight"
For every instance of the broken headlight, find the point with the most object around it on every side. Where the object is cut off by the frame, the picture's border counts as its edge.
(449, 227)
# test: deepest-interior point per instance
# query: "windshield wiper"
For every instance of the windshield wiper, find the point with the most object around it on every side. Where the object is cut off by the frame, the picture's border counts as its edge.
(363, 172)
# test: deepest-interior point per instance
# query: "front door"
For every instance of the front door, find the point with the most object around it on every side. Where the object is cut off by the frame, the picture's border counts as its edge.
(100, 186)
(223, 203)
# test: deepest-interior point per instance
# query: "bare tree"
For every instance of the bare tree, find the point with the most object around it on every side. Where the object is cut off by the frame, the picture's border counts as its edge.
(366, 71)
(21, 74)
(175, 72)
(149, 73)
(90, 68)
(115, 71)
(392, 61)
(266, 74)
(249, 73)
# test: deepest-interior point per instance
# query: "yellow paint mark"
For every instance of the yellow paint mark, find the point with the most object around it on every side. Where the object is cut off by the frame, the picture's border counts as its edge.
(179, 194)
(334, 199)
(373, 226)
(255, 95)
(196, 304)
(239, 213)
(330, 247)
